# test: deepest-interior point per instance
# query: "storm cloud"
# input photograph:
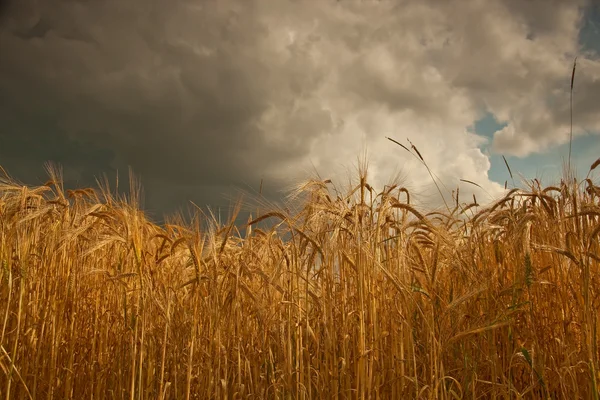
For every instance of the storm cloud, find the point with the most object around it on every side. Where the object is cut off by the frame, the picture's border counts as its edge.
(199, 97)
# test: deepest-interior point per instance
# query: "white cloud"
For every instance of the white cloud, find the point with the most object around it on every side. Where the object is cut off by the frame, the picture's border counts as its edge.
(428, 70)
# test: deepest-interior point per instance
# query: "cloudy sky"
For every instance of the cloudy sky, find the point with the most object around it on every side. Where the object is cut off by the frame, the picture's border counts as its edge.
(202, 98)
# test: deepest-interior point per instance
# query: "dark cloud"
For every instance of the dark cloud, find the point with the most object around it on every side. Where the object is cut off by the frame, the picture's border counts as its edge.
(203, 98)
(107, 85)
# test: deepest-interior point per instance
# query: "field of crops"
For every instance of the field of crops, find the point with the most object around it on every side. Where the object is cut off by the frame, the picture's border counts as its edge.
(351, 294)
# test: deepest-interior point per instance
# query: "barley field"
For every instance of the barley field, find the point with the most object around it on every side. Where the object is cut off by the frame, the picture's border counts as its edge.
(353, 294)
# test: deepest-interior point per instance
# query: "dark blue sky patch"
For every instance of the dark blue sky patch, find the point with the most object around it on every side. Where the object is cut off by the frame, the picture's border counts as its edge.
(547, 166)
(487, 125)
(589, 35)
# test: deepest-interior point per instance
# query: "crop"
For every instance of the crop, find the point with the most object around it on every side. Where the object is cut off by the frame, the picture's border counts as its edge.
(350, 294)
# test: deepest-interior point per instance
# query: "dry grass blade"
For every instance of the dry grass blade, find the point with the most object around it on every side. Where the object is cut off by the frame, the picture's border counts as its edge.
(573, 73)
(571, 114)
(507, 167)
(416, 151)
(478, 330)
(594, 165)
(557, 250)
(471, 182)
(465, 297)
(15, 370)
(267, 216)
(398, 143)
(408, 207)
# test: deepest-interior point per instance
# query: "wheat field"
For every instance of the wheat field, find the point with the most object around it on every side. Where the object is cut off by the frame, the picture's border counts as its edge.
(350, 295)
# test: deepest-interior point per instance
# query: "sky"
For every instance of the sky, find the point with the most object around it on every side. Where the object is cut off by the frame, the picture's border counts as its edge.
(203, 99)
